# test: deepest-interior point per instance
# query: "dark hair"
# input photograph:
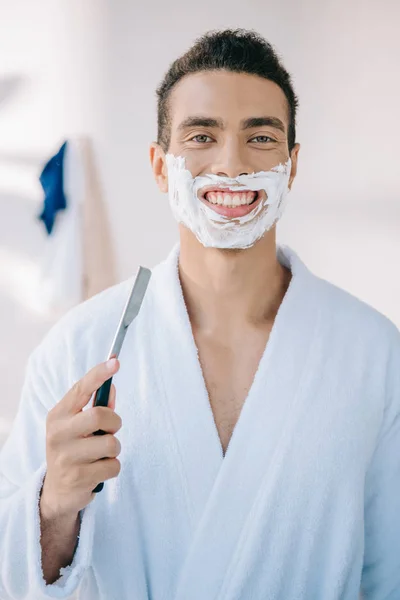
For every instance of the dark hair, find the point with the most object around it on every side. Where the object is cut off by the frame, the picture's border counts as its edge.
(237, 50)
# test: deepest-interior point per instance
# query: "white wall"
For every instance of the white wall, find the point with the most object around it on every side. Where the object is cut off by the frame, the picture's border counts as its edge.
(92, 68)
(54, 51)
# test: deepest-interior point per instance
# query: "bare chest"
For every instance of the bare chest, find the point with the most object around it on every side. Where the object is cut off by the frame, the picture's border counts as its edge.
(229, 372)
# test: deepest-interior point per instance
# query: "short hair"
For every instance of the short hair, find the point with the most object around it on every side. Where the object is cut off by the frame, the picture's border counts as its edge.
(235, 50)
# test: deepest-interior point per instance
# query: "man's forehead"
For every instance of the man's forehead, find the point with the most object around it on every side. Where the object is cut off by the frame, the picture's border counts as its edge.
(227, 98)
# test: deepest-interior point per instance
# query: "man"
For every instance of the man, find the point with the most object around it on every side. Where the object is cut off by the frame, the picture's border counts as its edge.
(258, 408)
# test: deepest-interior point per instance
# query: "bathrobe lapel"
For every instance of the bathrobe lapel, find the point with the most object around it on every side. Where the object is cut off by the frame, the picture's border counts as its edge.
(183, 383)
(222, 490)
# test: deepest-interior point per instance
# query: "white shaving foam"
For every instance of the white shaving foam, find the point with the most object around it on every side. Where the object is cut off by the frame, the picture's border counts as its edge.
(218, 231)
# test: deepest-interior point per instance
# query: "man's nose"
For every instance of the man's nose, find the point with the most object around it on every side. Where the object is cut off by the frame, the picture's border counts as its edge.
(230, 162)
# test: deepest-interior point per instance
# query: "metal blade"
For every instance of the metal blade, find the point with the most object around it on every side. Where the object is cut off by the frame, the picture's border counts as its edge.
(136, 298)
(131, 309)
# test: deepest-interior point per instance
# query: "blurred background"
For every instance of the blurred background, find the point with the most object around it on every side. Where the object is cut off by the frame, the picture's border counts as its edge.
(73, 70)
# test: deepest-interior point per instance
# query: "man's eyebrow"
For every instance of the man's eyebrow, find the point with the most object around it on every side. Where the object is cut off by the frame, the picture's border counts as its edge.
(263, 122)
(250, 123)
(198, 121)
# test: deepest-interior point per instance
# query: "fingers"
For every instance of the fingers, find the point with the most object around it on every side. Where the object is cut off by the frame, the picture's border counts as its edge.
(91, 449)
(83, 477)
(88, 421)
(79, 395)
(105, 469)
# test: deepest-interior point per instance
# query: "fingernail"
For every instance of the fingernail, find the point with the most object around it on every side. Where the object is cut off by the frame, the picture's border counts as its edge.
(110, 364)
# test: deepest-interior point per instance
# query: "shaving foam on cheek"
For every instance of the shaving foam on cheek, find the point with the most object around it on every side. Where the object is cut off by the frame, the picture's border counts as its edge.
(218, 231)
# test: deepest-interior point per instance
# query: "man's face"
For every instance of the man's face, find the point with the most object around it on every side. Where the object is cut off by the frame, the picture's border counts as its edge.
(229, 123)
(226, 124)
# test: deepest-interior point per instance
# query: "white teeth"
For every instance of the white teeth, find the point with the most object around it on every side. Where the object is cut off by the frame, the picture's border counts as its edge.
(225, 199)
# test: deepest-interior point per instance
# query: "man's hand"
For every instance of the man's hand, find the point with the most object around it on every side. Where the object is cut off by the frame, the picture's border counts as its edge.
(73, 453)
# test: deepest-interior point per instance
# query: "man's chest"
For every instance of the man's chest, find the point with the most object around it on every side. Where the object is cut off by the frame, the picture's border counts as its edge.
(229, 372)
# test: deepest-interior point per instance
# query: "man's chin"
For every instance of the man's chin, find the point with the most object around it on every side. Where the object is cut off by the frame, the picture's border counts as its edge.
(188, 237)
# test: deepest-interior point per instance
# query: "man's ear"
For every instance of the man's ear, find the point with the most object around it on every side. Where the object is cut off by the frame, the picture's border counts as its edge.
(159, 166)
(294, 157)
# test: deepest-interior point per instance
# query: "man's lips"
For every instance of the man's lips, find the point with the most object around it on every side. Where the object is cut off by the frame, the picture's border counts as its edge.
(230, 211)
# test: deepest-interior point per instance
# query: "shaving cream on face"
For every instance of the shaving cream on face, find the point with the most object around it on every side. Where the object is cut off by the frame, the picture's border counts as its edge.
(218, 231)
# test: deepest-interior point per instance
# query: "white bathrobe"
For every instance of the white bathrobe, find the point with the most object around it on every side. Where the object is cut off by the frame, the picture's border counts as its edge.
(305, 505)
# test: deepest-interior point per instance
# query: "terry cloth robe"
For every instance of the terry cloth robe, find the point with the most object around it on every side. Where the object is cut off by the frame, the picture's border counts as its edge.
(305, 504)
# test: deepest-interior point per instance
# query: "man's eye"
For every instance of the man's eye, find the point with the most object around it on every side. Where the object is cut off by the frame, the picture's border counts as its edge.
(200, 138)
(262, 138)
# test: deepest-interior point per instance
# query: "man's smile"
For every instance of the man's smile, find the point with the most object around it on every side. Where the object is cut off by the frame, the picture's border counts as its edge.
(230, 203)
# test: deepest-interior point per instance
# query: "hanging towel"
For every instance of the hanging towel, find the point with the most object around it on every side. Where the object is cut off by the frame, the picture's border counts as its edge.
(59, 285)
(52, 180)
(78, 261)
(305, 503)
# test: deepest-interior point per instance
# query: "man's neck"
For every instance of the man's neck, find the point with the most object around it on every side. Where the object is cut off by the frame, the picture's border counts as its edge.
(228, 291)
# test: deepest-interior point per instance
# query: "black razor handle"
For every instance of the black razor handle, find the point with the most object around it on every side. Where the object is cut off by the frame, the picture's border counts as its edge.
(101, 399)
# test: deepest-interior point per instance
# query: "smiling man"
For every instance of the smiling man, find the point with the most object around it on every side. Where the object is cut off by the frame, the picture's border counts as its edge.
(221, 132)
(259, 404)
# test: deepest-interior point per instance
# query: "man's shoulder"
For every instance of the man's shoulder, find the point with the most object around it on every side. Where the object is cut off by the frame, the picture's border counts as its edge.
(355, 316)
(96, 309)
(89, 324)
(83, 336)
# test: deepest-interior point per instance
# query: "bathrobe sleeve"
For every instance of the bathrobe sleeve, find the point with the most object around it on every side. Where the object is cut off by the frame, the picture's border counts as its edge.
(22, 470)
(381, 572)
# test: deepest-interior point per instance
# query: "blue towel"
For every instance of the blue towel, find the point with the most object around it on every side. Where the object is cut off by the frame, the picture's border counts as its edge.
(52, 180)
